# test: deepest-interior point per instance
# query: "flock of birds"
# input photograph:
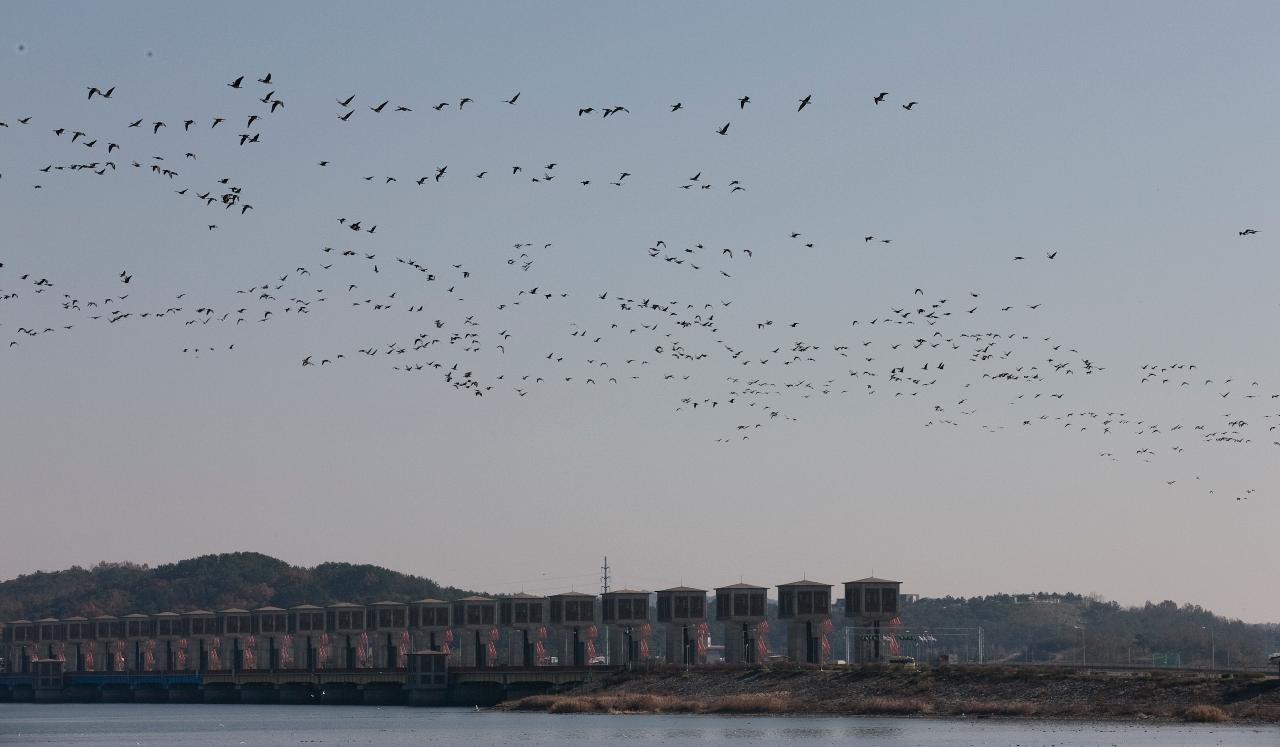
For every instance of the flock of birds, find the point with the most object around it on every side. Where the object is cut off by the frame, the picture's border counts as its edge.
(960, 354)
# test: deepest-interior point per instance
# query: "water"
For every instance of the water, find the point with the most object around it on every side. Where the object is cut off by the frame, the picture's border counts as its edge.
(134, 725)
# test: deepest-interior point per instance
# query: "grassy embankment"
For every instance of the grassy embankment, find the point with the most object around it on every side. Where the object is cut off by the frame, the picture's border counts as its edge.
(943, 692)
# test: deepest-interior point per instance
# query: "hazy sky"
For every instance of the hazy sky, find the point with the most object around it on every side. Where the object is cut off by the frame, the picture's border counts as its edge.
(1134, 139)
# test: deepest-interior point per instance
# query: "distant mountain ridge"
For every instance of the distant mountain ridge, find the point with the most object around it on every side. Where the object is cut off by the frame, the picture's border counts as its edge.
(212, 582)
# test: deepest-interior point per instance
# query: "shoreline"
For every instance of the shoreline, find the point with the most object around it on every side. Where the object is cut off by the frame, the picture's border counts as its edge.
(944, 693)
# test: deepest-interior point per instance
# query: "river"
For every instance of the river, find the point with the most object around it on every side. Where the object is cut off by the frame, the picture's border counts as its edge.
(135, 725)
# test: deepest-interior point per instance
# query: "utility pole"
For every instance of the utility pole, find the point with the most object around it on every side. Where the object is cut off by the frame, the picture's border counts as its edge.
(604, 589)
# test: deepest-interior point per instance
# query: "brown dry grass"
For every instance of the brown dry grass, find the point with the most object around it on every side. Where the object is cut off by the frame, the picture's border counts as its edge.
(752, 703)
(641, 703)
(885, 706)
(1205, 714)
(951, 693)
(783, 702)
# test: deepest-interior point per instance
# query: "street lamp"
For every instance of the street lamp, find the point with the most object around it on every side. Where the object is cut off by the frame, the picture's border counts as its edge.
(1213, 648)
(1084, 650)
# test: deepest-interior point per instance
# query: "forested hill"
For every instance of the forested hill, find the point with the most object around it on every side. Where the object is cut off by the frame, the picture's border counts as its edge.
(212, 582)
(1065, 627)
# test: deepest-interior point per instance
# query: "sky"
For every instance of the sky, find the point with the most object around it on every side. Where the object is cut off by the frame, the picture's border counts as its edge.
(1131, 141)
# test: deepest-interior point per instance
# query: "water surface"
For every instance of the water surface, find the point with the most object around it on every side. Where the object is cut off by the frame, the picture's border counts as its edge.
(135, 725)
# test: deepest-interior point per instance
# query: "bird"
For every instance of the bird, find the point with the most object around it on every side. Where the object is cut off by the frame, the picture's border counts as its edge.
(236, 83)
(347, 102)
(345, 117)
(881, 97)
(804, 102)
(379, 107)
(725, 130)
(465, 100)
(266, 79)
(677, 106)
(1051, 255)
(1248, 232)
(909, 106)
(742, 102)
(512, 100)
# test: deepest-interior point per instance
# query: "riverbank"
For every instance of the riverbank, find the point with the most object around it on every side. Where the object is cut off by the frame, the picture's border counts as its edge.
(942, 691)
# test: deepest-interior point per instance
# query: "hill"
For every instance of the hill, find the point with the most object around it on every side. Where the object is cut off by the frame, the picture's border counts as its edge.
(241, 579)
(1057, 628)
(1027, 628)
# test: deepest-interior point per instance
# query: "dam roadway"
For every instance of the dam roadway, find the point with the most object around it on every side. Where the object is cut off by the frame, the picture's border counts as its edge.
(457, 686)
